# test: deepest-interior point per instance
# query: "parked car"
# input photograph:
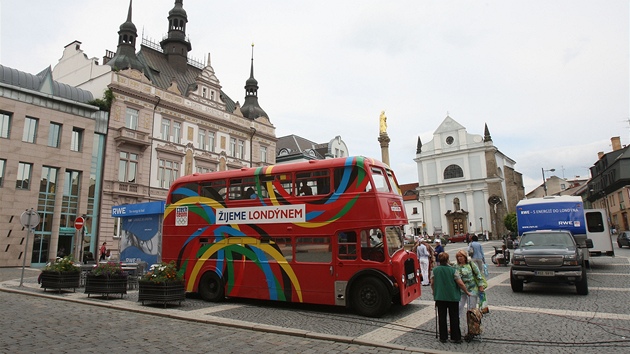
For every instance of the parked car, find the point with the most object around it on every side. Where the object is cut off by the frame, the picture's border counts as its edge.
(623, 239)
(457, 238)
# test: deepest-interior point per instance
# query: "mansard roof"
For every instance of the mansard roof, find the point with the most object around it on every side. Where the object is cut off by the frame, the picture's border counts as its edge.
(43, 83)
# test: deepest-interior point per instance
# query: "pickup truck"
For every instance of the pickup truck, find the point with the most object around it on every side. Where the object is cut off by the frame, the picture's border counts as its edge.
(549, 257)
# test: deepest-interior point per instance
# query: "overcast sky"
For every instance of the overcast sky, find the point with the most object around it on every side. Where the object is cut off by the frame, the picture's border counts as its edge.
(550, 78)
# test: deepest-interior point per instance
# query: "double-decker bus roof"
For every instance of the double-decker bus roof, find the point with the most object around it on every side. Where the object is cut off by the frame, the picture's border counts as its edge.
(277, 169)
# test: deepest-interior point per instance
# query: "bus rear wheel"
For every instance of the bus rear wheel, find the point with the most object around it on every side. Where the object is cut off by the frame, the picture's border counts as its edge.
(211, 287)
(370, 297)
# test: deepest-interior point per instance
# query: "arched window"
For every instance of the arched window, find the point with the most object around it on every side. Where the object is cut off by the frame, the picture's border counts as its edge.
(453, 171)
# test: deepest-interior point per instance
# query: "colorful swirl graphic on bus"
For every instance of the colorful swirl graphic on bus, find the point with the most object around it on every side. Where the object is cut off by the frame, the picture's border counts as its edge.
(225, 237)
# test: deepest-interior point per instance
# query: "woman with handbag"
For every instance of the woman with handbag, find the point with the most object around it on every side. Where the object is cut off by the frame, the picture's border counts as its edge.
(472, 278)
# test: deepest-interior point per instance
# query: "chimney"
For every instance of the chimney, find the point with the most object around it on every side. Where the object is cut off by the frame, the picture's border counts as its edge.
(616, 143)
(600, 155)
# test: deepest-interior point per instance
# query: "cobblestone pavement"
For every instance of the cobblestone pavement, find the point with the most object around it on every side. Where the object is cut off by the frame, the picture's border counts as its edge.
(544, 318)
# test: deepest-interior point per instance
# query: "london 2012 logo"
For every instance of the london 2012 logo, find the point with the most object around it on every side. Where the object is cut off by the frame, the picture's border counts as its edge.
(181, 216)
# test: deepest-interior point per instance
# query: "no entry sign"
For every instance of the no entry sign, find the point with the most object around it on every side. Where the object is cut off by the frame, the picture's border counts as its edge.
(78, 223)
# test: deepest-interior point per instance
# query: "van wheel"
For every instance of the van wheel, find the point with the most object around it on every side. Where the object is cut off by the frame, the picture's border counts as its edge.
(211, 287)
(370, 297)
(517, 285)
(582, 286)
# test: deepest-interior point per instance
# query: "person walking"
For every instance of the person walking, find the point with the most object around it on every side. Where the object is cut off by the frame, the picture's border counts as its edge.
(423, 258)
(102, 251)
(474, 281)
(476, 252)
(445, 281)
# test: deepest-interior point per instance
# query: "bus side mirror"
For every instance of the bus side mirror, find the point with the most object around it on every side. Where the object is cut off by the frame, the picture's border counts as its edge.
(589, 243)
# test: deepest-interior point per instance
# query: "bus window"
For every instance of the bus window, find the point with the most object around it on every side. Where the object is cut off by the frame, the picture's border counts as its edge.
(180, 193)
(281, 185)
(380, 181)
(282, 245)
(392, 182)
(214, 190)
(242, 188)
(372, 245)
(347, 245)
(313, 183)
(313, 249)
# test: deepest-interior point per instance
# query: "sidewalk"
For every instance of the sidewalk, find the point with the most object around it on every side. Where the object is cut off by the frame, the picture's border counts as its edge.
(190, 310)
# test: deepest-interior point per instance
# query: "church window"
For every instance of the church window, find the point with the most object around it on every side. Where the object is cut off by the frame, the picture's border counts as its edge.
(453, 171)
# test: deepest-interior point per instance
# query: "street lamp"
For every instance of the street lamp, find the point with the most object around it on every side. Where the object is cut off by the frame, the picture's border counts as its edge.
(544, 180)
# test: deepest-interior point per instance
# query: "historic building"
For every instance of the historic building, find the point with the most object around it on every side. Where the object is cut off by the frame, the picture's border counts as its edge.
(51, 152)
(169, 116)
(609, 186)
(294, 148)
(466, 185)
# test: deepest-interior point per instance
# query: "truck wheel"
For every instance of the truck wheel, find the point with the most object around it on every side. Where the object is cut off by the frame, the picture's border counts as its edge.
(582, 286)
(370, 297)
(211, 287)
(517, 285)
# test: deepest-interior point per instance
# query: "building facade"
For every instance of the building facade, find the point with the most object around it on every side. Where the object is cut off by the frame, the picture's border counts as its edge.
(609, 187)
(294, 148)
(466, 185)
(168, 116)
(51, 152)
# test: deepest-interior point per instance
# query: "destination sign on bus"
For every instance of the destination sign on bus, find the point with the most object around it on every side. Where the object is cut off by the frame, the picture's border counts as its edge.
(261, 215)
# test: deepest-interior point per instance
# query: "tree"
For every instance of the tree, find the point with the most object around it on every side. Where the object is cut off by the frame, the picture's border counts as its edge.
(510, 222)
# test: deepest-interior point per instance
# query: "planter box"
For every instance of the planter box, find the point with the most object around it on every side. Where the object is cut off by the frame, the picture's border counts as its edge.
(105, 285)
(161, 292)
(60, 280)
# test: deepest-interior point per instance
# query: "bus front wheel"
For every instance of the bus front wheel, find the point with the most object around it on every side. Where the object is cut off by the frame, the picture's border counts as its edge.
(370, 297)
(211, 287)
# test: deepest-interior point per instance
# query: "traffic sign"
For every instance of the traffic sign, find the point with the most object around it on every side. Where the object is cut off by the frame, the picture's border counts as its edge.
(78, 223)
(29, 219)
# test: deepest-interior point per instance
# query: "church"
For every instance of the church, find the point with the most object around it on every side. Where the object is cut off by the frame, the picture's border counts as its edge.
(465, 183)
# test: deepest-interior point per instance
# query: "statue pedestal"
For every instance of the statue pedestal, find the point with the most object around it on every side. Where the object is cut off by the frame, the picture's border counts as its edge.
(384, 140)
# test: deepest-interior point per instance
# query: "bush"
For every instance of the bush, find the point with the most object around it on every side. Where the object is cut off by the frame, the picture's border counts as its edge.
(163, 273)
(65, 264)
(107, 269)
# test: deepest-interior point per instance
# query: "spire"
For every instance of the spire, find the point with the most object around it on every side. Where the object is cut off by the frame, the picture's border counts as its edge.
(125, 56)
(176, 46)
(486, 134)
(419, 146)
(251, 109)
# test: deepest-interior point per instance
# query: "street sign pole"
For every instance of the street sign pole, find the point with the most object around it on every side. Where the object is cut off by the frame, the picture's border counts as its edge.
(29, 219)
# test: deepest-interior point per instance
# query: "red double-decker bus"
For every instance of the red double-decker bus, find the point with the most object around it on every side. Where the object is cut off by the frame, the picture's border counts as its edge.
(321, 232)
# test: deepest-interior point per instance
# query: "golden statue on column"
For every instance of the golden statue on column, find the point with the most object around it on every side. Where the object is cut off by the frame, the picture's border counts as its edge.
(383, 125)
(383, 138)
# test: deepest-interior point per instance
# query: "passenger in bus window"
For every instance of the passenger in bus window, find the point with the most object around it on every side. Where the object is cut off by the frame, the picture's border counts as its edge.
(305, 189)
(250, 193)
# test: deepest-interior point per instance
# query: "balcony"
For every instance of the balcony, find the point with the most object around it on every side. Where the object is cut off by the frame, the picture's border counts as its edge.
(126, 136)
